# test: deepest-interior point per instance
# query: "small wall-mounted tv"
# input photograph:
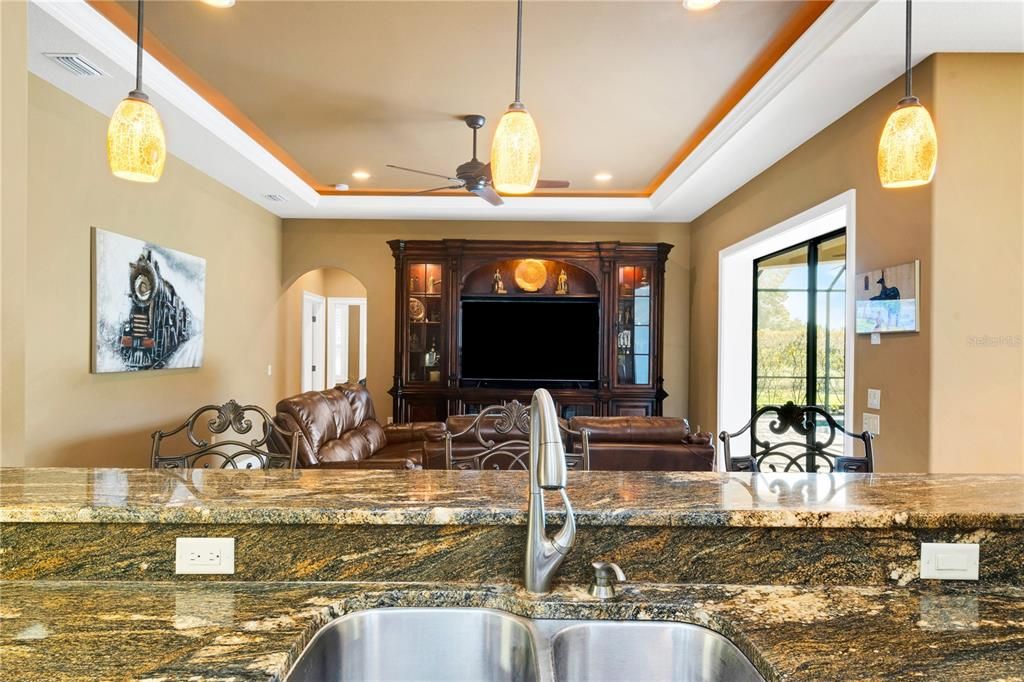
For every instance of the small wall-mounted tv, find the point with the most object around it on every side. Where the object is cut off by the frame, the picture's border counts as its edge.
(530, 340)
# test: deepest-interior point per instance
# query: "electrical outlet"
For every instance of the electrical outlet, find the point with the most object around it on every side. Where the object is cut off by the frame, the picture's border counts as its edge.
(872, 424)
(876, 339)
(874, 399)
(204, 556)
(949, 561)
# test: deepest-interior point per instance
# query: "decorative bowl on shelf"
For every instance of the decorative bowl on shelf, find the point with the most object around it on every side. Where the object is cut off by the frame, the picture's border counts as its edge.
(531, 275)
(417, 311)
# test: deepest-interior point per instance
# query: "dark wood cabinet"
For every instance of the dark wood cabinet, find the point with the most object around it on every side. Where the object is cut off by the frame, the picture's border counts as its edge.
(622, 284)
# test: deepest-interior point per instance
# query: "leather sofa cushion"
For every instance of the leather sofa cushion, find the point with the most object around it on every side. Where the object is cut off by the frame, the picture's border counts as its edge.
(456, 424)
(638, 457)
(633, 429)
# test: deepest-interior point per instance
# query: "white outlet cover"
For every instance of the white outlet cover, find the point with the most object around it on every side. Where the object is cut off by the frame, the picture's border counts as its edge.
(872, 423)
(204, 556)
(876, 339)
(949, 561)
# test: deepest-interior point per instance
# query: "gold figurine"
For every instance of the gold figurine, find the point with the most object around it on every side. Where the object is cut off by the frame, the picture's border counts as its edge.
(563, 283)
(499, 286)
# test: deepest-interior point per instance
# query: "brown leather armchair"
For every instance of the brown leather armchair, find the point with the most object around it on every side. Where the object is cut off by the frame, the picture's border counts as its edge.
(340, 431)
(644, 444)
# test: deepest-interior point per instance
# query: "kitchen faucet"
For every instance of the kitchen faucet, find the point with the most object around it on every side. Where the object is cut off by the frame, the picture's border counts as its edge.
(547, 472)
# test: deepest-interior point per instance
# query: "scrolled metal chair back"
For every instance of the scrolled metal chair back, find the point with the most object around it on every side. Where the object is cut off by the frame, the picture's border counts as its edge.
(509, 419)
(230, 453)
(815, 451)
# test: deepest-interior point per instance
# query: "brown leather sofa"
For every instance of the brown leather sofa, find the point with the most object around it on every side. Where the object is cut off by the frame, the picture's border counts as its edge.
(644, 444)
(340, 431)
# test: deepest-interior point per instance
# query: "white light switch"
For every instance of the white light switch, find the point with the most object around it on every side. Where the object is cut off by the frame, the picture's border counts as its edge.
(204, 556)
(949, 561)
(872, 424)
(874, 399)
(876, 339)
(270, 370)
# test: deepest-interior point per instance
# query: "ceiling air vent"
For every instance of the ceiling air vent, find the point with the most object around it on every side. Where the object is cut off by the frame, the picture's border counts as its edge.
(77, 64)
(273, 197)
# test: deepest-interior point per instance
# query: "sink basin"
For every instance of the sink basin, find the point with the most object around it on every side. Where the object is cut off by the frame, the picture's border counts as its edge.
(446, 645)
(644, 650)
(479, 645)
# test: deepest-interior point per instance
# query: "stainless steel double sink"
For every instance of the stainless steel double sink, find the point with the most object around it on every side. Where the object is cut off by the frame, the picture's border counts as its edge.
(470, 644)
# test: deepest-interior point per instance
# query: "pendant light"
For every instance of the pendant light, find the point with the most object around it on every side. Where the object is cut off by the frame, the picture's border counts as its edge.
(136, 147)
(515, 150)
(909, 148)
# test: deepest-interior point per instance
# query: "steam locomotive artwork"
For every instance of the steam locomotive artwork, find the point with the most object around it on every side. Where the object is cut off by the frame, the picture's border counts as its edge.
(148, 315)
(159, 320)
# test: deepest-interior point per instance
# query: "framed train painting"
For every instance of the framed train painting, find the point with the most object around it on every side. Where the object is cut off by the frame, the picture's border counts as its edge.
(148, 305)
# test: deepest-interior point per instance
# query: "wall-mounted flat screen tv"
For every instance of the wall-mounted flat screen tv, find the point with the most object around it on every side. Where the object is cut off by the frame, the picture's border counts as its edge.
(530, 340)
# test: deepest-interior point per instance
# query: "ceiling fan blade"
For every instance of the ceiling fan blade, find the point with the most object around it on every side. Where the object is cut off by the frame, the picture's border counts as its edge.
(436, 189)
(489, 195)
(413, 170)
(552, 184)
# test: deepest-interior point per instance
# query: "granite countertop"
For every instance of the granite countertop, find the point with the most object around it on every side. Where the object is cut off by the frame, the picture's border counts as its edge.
(253, 631)
(499, 498)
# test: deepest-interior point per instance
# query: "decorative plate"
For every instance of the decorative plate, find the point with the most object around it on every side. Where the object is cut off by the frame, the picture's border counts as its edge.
(417, 311)
(531, 275)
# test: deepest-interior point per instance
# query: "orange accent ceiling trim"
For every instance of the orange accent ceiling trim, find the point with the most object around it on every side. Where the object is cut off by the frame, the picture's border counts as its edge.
(780, 43)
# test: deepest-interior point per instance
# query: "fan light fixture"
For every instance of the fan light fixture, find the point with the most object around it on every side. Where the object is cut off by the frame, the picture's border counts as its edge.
(909, 148)
(515, 150)
(221, 4)
(136, 146)
(697, 5)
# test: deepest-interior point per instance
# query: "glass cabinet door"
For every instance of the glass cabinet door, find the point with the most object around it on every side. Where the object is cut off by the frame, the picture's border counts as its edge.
(426, 319)
(633, 326)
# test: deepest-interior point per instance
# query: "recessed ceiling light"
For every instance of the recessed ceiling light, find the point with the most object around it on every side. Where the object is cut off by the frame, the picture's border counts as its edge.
(603, 177)
(698, 5)
(361, 175)
(223, 4)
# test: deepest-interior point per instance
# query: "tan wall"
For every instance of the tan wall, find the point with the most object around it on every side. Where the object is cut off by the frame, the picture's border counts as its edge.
(978, 238)
(952, 394)
(326, 282)
(359, 247)
(893, 226)
(76, 418)
(13, 232)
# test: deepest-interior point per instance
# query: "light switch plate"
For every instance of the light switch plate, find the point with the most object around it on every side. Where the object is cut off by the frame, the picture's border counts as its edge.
(876, 339)
(206, 556)
(949, 561)
(872, 423)
(874, 399)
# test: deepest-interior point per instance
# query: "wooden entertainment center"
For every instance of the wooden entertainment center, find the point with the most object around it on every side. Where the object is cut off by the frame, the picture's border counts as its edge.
(433, 279)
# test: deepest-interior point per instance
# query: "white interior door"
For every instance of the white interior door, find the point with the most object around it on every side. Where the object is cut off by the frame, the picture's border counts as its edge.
(313, 342)
(340, 337)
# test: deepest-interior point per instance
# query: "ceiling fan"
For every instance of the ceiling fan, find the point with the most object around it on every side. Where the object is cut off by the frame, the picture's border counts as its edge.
(474, 176)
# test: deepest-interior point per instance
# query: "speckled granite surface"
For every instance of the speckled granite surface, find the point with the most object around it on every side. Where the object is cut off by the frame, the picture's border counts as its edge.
(252, 631)
(484, 554)
(498, 498)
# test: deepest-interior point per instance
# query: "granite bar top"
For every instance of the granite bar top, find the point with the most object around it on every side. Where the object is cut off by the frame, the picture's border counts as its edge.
(254, 631)
(499, 498)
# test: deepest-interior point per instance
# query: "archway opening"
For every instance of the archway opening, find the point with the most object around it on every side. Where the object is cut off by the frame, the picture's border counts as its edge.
(326, 330)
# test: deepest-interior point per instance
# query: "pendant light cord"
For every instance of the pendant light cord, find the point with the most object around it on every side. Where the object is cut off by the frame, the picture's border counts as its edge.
(519, 45)
(908, 77)
(138, 54)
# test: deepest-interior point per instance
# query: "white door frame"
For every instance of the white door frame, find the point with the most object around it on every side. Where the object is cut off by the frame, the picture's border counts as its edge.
(314, 335)
(338, 314)
(735, 305)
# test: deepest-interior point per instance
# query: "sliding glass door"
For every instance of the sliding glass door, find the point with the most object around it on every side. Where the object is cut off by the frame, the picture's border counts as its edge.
(799, 351)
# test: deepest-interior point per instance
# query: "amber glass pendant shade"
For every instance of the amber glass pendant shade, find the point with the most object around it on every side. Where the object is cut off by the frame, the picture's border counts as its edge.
(909, 148)
(515, 153)
(136, 146)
